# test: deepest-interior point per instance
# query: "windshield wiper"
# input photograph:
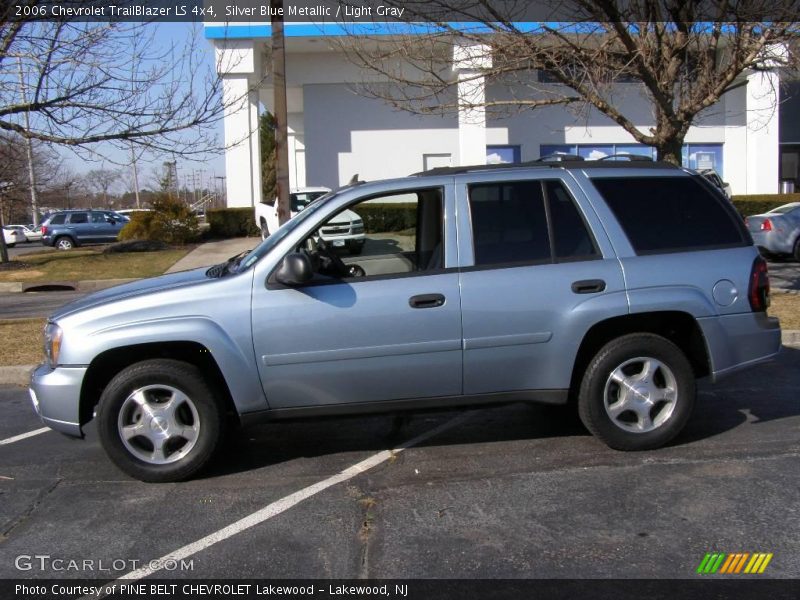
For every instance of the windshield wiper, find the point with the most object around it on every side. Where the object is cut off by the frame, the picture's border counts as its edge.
(229, 266)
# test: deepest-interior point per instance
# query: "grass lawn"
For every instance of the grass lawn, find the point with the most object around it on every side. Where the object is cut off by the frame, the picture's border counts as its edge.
(76, 265)
(22, 342)
(787, 308)
(22, 338)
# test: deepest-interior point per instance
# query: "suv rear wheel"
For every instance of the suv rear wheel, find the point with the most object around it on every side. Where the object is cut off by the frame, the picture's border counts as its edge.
(159, 420)
(64, 243)
(637, 392)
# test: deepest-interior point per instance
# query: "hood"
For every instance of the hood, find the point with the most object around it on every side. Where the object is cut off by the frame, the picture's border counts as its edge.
(136, 288)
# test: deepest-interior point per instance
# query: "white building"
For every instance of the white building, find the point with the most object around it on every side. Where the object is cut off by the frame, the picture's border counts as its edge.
(334, 133)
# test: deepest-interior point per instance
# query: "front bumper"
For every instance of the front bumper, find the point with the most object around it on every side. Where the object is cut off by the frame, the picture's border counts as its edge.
(56, 394)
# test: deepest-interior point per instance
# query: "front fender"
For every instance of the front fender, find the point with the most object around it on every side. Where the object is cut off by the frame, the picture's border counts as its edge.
(237, 366)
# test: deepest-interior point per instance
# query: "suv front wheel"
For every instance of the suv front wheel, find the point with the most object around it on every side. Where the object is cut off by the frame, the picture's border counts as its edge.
(159, 420)
(637, 392)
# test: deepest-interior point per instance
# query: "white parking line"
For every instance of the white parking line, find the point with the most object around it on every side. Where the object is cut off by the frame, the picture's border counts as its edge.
(279, 506)
(24, 436)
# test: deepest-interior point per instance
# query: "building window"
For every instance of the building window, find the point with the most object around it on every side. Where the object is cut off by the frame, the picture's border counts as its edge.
(694, 156)
(703, 156)
(434, 161)
(502, 154)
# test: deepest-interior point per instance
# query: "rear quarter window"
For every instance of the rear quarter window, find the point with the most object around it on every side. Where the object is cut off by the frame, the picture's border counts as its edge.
(671, 214)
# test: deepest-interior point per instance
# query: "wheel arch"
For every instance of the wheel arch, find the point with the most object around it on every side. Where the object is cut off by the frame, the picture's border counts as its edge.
(106, 365)
(71, 238)
(679, 327)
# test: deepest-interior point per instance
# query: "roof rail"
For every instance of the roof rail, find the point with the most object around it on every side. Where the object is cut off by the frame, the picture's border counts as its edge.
(477, 168)
(560, 157)
(630, 157)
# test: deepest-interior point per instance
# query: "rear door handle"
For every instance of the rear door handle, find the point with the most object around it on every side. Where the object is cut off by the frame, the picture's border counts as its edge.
(426, 301)
(588, 286)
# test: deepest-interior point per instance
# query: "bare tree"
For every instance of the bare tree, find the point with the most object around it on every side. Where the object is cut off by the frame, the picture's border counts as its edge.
(684, 56)
(101, 181)
(15, 170)
(83, 83)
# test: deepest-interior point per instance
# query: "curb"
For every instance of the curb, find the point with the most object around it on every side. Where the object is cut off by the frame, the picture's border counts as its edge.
(21, 374)
(16, 375)
(88, 285)
(790, 337)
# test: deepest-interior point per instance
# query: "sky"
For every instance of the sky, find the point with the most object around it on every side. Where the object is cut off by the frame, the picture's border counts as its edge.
(205, 170)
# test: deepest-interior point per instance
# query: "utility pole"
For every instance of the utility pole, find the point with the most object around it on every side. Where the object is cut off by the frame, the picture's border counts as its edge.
(29, 149)
(280, 114)
(4, 187)
(135, 177)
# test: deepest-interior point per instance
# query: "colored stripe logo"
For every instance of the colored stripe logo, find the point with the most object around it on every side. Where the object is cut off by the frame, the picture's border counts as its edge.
(734, 564)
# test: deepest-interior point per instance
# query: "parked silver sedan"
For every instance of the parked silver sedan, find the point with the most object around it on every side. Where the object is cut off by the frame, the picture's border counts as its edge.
(777, 232)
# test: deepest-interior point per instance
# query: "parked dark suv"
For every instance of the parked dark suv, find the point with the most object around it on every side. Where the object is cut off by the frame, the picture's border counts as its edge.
(67, 229)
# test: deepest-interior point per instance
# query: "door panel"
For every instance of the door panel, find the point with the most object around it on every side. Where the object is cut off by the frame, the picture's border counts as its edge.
(358, 341)
(523, 325)
(536, 277)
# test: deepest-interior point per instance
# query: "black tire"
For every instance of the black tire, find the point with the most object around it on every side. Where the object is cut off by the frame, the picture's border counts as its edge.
(64, 242)
(796, 250)
(629, 429)
(356, 249)
(11, 245)
(181, 376)
(264, 229)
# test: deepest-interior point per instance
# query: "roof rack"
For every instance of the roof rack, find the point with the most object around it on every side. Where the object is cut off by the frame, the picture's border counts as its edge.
(630, 157)
(560, 157)
(569, 163)
(473, 168)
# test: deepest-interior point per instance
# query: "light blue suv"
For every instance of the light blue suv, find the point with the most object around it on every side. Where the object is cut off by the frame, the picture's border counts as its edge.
(615, 285)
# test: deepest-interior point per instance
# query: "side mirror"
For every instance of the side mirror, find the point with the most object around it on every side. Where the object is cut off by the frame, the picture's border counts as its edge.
(295, 269)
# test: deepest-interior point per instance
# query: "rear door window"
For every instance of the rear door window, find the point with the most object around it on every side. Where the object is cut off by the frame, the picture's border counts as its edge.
(57, 219)
(527, 222)
(80, 217)
(571, 237)
(671, 214)
(509, 223)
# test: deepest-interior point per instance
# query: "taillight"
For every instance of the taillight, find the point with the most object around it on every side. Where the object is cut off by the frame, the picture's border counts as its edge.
(766, 225)
(44, 229)
(758, 292)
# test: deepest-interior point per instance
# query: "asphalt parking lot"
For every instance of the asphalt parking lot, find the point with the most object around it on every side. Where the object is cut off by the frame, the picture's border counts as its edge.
(515, 491)
(785, 274)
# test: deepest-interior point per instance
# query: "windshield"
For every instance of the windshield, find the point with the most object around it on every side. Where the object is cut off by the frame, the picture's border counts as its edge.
(268, 244)
(303, 199)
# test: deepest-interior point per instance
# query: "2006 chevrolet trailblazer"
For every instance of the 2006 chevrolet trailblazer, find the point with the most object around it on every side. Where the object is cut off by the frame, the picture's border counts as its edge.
(616, 284)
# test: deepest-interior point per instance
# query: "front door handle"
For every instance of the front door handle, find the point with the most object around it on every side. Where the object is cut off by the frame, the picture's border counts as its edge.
(426, 301)
(588, 286)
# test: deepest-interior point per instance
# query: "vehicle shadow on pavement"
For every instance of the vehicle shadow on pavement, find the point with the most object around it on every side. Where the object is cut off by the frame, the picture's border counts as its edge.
(764, 393)
(274, 443)
(759, 395)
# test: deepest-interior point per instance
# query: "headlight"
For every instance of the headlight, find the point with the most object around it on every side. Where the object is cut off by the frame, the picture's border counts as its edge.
(52, 343)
